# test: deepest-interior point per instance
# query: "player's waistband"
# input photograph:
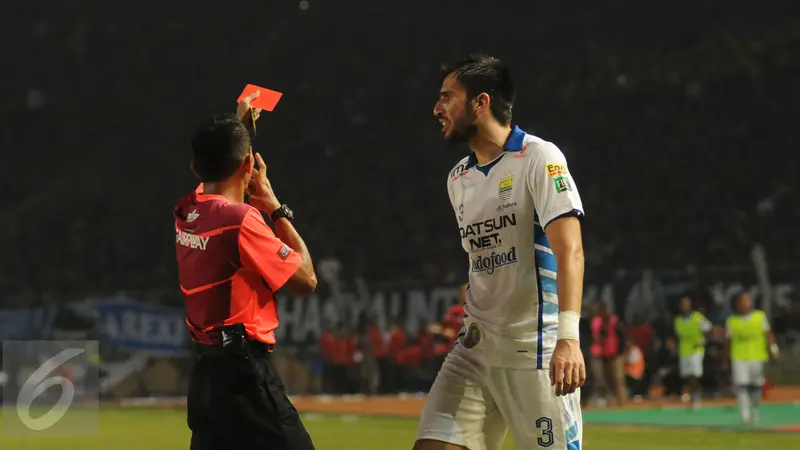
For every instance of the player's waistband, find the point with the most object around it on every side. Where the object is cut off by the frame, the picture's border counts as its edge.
(505, 332)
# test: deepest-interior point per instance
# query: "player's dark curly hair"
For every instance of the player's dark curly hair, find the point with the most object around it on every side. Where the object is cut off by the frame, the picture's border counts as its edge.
(219, 146)
(481, 73)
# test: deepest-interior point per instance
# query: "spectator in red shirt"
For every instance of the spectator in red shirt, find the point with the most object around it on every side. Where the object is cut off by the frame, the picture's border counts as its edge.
(328, 347)
(230, 266)
(380, 351)
(397, 342)
(642, 334)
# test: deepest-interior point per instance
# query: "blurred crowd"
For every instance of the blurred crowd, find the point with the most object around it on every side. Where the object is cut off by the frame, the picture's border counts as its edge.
(625, 361)
(676, 119)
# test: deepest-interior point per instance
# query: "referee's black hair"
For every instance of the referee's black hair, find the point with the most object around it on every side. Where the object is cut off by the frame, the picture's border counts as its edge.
(481, 73)
(219, 146)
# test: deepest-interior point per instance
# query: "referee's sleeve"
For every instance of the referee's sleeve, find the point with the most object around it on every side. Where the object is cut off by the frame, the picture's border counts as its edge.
(551, 185)
(262, 252)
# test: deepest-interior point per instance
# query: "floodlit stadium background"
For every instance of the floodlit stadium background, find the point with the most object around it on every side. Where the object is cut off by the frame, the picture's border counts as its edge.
(678, 119)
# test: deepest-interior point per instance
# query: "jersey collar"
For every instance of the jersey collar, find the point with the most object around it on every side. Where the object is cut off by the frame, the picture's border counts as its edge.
(200, 195)
(514, 143)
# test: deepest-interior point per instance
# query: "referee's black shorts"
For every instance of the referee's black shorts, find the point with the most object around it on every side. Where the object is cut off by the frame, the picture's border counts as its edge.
(237, 399)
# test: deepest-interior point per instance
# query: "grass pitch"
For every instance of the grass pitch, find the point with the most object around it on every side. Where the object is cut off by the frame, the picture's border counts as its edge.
(157, 429)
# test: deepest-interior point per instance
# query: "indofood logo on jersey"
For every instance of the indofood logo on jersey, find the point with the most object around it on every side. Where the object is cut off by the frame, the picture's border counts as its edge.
(489, 263)
(484, 235)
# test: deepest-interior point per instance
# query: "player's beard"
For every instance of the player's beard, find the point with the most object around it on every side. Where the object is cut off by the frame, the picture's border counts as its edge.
(463, 128)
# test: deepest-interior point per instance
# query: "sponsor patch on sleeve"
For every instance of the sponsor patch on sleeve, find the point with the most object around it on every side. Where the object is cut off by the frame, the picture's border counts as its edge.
(284, 252)
(562, 184)
(556, 170)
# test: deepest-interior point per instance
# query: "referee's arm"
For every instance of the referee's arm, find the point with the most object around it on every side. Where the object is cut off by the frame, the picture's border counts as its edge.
(304, 280)
(281, 260)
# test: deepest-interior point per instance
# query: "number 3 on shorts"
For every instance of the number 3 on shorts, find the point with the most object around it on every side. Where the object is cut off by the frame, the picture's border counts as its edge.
(546, 426)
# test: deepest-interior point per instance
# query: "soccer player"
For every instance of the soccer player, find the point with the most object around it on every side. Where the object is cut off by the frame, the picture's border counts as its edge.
(749, 337)
(230, 266)
(517, 364)
(690, 328)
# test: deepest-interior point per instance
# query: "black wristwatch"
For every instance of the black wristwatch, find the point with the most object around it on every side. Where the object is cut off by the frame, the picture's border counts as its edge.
(282, 213)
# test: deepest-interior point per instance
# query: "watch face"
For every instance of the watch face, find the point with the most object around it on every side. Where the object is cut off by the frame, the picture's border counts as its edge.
(284, 211)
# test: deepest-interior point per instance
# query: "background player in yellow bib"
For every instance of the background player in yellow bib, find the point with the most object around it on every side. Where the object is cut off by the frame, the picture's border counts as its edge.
(749, 338)
(690, 328)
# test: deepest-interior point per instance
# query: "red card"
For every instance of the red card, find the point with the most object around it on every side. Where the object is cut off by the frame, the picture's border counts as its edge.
(266, 100)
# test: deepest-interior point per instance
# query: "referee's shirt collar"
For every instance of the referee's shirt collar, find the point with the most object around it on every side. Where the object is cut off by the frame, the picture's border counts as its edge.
(514, 143)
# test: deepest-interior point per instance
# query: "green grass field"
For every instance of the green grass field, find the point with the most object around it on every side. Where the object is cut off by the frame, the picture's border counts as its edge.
(122, 429)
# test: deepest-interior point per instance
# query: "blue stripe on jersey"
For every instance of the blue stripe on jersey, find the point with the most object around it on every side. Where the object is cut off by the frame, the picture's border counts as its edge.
(546, 260)
(572, 433)
(550, 309)
(547, 285)
(540, 239)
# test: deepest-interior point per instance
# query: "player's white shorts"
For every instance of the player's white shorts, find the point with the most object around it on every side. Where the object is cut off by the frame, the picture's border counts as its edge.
(748, 373)
(691, 366)
(473, 403)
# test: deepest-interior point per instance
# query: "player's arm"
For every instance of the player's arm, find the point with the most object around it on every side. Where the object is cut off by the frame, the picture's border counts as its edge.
(564, 236)
(705, 324)
(558, 206)
(279, 261)
(728, 338)
(773, 345)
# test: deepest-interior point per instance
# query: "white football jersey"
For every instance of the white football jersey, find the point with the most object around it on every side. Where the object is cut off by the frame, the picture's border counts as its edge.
(502, 209)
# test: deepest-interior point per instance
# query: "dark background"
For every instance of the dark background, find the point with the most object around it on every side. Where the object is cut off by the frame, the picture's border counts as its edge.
(678, 119)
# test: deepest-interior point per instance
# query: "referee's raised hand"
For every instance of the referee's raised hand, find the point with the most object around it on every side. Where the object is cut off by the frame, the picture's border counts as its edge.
(260, 189)
(243, 108)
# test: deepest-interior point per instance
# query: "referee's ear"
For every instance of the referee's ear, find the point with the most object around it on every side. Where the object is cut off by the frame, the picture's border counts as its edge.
(194, 168)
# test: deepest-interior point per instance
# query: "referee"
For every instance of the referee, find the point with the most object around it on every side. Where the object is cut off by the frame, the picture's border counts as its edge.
(230, 265)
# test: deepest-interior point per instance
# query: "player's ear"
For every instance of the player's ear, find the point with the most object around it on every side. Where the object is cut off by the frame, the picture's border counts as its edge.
(482, 102)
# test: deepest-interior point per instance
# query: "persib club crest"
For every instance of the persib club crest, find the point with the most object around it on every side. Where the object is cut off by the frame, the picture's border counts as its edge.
(473, 336)
(506, 184)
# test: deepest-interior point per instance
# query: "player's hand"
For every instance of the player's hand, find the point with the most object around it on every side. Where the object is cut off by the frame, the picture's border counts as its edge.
(776, 352)
(567, 368)
(260, 189)
(243, 108)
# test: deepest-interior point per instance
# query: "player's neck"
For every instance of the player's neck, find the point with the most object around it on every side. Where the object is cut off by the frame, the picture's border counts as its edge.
(232, 190)
(489, 142)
